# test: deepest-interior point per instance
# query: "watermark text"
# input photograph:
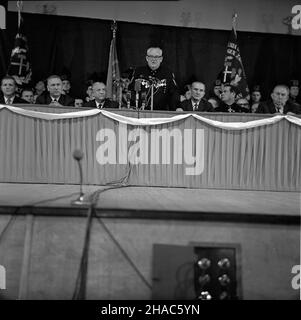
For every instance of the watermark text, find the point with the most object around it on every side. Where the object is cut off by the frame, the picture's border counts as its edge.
(153, 146)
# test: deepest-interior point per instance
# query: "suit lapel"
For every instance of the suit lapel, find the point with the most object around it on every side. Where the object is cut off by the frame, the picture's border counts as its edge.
(61, 100)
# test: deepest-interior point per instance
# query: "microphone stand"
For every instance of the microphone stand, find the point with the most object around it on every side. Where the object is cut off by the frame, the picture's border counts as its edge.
(137, 89)
(128, 99)
(80, 201)
(119, 90)
(152, 96)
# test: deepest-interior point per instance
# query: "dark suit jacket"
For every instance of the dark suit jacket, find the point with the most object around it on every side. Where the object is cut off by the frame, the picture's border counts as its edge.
(269, 107)
(64, 99)
(108, 104)
(204, 105)
(223, 107)
(16, 100)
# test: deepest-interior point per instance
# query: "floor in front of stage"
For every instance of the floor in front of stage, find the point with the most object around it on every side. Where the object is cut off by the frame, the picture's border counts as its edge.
(128, 200)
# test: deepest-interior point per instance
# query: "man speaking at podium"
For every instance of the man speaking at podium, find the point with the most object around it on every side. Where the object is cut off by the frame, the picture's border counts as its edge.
(165, 90)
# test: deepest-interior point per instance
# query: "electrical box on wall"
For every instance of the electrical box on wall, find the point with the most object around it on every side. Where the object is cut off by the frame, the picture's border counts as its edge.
(196, 272)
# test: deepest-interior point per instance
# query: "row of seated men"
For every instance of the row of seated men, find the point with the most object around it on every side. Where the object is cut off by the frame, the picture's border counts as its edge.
(280, 101)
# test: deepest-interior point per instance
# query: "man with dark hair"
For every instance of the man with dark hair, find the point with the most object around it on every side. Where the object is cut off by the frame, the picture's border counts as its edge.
(78, 102)
(279, 102)
(8, 91)
(228, 100)
(294, 92)
(66, 85)
(165, 90)
(197, 102)
(100, 101)
(215, 93)
(55, 97)
(27, 94)
(255, 98)
(243, 103)
(186, 94)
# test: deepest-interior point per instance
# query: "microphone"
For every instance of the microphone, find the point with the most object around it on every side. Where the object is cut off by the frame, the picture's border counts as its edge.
(78, 154)
(80, 201)
(137, 88)
(128, 99)
(143, 98)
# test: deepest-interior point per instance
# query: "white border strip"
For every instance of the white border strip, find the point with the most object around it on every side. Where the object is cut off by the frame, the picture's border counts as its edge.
(151, 121)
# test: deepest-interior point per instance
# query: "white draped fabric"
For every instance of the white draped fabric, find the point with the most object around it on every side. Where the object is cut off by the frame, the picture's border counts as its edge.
(151, 121)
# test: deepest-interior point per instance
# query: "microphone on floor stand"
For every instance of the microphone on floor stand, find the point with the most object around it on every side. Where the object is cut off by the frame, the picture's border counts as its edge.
(80, 201)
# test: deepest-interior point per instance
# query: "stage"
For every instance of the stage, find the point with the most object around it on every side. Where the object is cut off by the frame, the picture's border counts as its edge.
(154, 202)
(168, 189)
(41, 247)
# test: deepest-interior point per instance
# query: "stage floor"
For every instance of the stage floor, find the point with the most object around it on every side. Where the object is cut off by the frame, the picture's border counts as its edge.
(151, 202)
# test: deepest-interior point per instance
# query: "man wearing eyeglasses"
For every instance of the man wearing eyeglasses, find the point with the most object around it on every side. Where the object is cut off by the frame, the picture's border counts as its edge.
(165, 90)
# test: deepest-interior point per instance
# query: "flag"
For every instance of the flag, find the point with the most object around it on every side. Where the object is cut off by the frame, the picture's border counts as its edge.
(3, 9)
(113, 75)
(4, 54)
(19, 67)
(233, 70)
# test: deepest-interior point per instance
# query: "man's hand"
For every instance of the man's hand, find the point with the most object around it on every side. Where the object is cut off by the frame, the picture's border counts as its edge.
(55, 104)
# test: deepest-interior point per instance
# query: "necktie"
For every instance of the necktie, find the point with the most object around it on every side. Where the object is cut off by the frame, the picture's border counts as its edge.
(8, 101)
(195, 107)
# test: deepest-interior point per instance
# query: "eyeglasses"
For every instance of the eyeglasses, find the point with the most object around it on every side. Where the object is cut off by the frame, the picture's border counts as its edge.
(242, 104)
(154, 57)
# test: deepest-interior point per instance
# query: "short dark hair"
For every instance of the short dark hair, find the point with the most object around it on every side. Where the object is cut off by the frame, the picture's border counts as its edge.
(232, 88)
(26, 89)
(7, 77)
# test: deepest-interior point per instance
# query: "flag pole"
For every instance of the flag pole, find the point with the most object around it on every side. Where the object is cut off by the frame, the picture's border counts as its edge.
(116, 82)
(19, 7)
(114, 28)
(234, 22)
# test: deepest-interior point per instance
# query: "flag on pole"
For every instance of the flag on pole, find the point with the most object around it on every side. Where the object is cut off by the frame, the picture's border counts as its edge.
(113, 75)
(4, 54)
(233, 71)
(19, 67)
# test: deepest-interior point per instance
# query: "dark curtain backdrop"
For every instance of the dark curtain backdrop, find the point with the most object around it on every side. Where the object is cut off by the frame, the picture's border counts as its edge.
(82, 45)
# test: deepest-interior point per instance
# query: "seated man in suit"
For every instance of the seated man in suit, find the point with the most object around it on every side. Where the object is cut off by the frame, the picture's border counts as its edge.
(55, 97)
(8, 91)
(100, 101)
(197, 102)
(228, 100)
(27, 94)
(279, 103)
